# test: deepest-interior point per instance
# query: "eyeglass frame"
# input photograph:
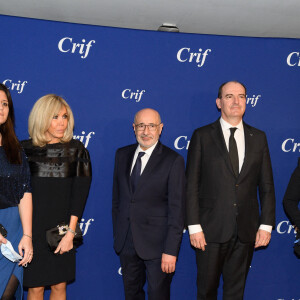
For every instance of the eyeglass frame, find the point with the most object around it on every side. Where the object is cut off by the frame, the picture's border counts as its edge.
(146, 125)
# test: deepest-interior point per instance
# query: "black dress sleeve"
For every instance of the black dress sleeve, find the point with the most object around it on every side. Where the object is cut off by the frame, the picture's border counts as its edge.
(292, 197)
(81, 182)
(25, 175)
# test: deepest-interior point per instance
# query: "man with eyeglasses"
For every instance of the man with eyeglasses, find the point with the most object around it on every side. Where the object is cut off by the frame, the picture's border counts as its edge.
(228, 163)
(148, 209)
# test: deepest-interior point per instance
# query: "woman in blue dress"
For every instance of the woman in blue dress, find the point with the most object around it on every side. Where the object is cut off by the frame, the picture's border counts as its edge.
(15, 202)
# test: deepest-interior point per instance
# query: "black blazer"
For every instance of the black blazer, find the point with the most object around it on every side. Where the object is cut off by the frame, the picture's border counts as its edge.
(216, 199)
(292, 197)
(155, 211)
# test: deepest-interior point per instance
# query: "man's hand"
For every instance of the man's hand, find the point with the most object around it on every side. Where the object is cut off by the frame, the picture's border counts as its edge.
(168, 263)
(198, 240)
(262, 238)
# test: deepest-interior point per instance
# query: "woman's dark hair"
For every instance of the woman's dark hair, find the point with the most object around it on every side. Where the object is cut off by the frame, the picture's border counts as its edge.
(10, 142)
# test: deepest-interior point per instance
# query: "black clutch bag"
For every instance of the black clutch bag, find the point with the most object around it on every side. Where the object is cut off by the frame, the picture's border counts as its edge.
(3, 231)
(54, 235)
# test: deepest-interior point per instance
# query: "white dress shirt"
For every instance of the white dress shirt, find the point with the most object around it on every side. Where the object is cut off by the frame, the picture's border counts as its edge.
(144, 158)
(240, 142)
(239, 138)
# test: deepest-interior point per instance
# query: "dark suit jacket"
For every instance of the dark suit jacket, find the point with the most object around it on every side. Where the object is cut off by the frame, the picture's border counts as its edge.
(155, 211)
(292, 197)
(216, 199)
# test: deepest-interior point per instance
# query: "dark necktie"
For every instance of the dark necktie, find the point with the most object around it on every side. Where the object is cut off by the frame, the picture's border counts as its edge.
(136, 171)
(233, 152)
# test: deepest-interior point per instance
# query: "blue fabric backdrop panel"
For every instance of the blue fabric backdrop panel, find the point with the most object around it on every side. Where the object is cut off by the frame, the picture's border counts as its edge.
(108, 74)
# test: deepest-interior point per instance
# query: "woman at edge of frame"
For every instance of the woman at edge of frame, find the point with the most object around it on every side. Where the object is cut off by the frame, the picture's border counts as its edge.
(61, 177)
(15, 201)
(292, 198)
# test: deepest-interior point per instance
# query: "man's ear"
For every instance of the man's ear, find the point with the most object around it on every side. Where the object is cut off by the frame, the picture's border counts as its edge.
(161, 128)
(218, 102)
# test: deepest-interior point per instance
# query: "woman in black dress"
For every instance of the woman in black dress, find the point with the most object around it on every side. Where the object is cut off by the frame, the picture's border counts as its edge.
(15, 202)
(61, 176)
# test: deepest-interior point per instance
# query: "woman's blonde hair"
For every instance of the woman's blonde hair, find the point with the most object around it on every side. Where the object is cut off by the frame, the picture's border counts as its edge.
(41, 116)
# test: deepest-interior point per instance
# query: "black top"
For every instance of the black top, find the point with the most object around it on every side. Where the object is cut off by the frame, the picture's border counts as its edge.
(61, 177)
(14, 181)
(69, 160)
(292, 197)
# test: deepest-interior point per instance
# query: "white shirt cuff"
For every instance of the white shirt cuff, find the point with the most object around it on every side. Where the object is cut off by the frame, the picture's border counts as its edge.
(266, 228)
(194, 229)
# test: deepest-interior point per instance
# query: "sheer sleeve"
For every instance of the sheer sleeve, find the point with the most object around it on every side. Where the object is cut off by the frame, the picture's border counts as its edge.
(25, 176)
(81, 182)
(14, 181)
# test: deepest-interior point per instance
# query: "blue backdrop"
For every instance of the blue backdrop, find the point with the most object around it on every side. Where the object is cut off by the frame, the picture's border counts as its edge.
(108, 74)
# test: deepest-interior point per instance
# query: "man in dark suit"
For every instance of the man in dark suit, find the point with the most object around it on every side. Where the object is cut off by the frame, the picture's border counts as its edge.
(148, 210)
(228, 162)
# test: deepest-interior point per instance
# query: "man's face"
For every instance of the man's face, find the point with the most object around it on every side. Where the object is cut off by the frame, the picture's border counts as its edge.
(233, 102)
(147, 136)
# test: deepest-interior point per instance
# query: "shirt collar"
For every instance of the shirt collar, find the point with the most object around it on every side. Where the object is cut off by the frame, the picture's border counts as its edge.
(148, 151)
(225, 125)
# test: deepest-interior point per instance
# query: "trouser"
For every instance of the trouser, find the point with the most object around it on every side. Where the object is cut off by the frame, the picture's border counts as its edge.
(231, 259)
(135, 271)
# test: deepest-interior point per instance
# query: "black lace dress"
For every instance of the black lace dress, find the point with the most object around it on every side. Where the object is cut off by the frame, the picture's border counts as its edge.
(61, 177)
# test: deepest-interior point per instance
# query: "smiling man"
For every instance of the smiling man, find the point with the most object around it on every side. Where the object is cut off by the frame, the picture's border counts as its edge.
(148, 210)
(228, 163)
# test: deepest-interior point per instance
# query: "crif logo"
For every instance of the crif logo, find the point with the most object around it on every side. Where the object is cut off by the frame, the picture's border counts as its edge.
(289, 145)
(84, 138)
(293, 59)
(252, 101)
(285, 227)
(85, 224)
(199, 57)
(182, 142)
(133, 95)
(66, 44)
(15, 86)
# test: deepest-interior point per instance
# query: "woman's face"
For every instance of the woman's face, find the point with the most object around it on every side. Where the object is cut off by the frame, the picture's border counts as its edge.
(4, 110)
(57, 127)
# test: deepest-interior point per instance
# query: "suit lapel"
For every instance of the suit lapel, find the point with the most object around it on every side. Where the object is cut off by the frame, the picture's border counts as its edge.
(219, 140)
(129, 164)
(249, 138)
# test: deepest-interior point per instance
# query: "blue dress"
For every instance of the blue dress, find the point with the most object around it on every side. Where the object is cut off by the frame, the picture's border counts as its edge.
(14, 182)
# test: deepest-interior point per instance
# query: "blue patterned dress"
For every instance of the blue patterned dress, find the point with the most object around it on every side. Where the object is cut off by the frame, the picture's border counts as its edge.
(14, 182)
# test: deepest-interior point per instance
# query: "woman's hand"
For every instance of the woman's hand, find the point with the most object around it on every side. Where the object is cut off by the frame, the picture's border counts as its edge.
(2, 239)
(25, 250)
(25, 245)
(66, 243)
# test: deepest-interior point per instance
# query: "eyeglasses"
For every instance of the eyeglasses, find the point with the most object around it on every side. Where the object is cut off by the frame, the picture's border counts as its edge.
(142, 127)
